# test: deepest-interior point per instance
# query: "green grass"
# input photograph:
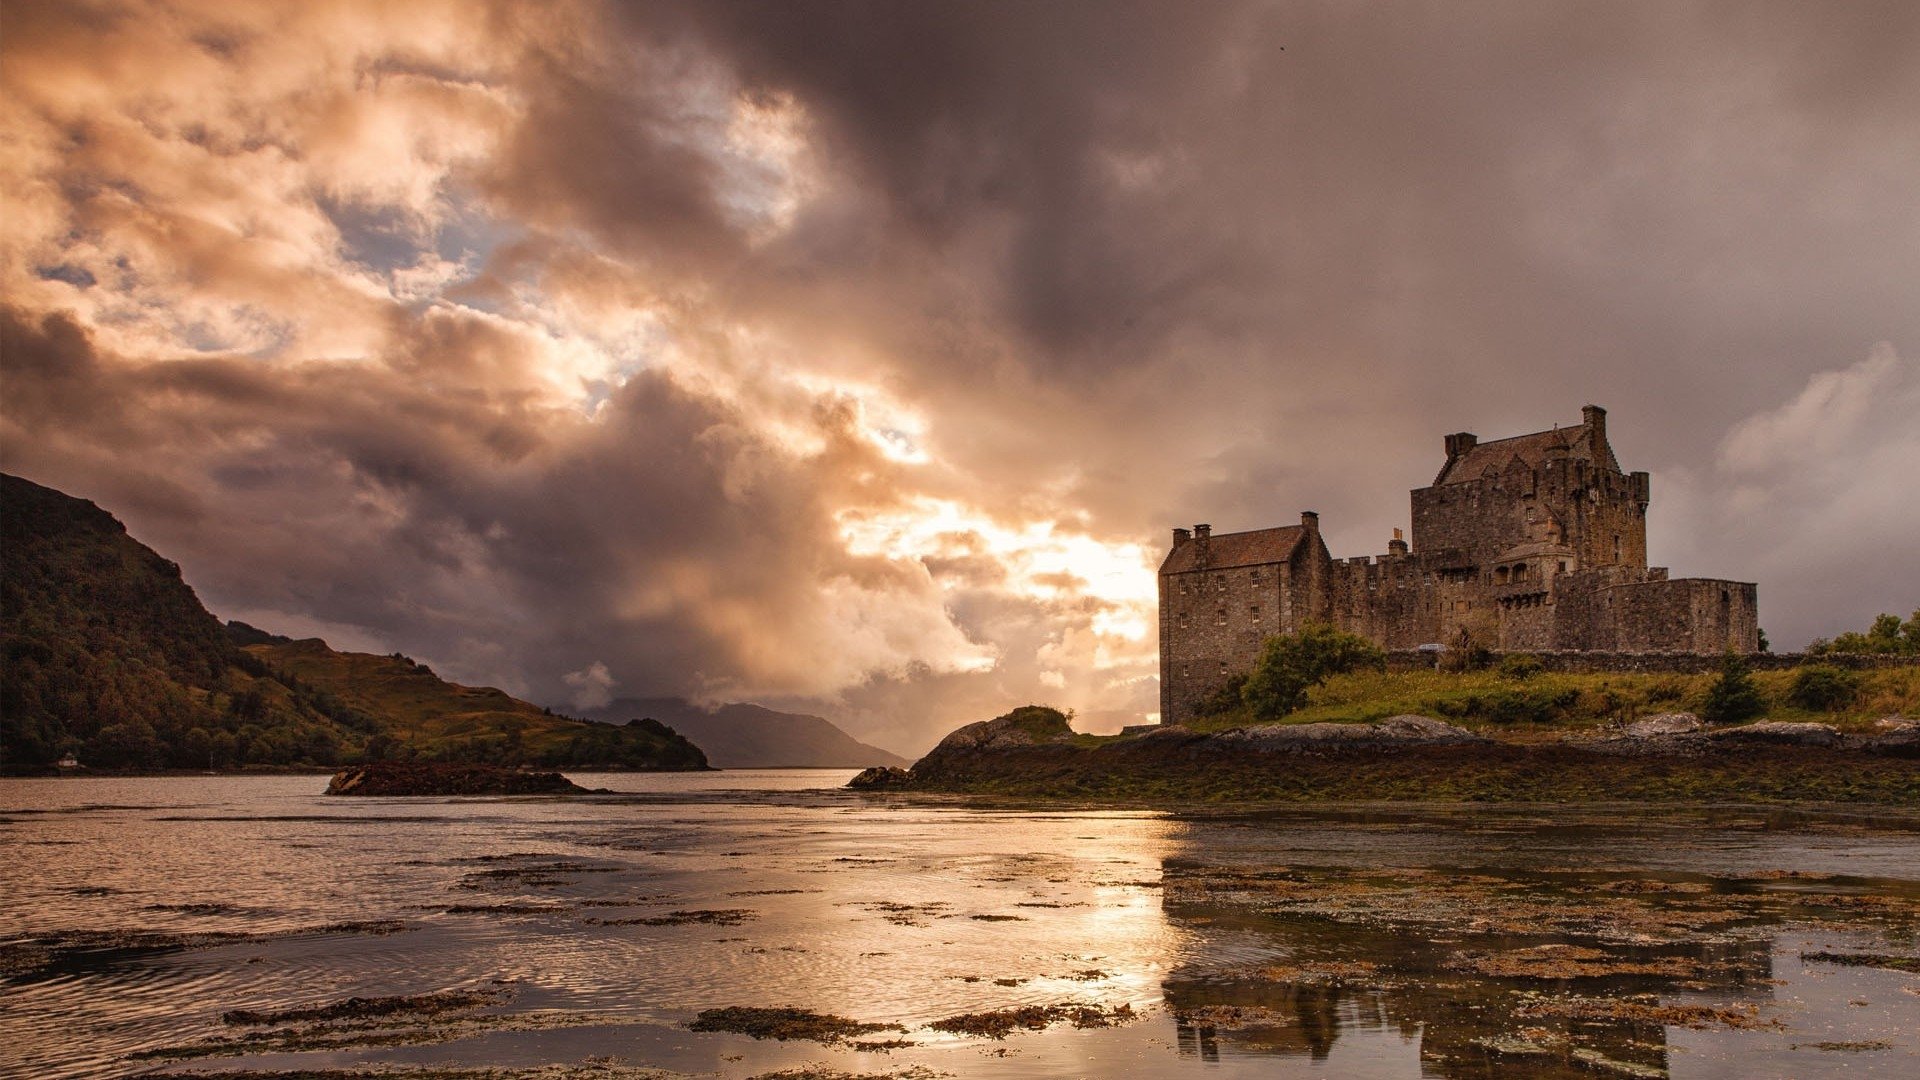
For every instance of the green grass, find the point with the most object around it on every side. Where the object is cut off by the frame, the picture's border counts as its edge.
(1555, 702)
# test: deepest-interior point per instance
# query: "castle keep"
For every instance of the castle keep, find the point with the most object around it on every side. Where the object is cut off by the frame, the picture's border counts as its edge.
(1535, 543)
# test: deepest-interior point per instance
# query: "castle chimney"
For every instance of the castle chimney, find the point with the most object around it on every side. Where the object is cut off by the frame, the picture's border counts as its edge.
(1595, 418)
(1203, 535)
(1181, 536)
(1310, 521)
(1460, 442)
(1397, 545)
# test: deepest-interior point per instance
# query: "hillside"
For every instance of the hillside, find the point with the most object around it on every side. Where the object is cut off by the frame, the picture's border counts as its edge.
(742, 736)
(108, 656)
(427, 716)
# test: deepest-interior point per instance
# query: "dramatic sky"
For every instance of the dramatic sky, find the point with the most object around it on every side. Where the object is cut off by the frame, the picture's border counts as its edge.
(860, 356)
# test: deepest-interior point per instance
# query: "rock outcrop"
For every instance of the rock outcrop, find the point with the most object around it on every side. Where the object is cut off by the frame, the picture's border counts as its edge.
(1394, 732)
(880, 778)
(401, 778)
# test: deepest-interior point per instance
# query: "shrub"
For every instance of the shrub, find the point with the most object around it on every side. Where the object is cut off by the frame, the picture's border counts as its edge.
(1520, 666)
(1528, 706)
(1823, 687)
(1734, 695)
(1887, 635)
(1292, 664)
(1224, 700)
(1467, 653)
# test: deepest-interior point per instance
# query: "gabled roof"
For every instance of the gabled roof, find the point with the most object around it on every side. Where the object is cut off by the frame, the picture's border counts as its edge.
(1531, 450)
(1225, 550)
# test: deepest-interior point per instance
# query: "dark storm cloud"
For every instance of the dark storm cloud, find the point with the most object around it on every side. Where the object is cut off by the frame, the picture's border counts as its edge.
(665, 535)
(578, 333)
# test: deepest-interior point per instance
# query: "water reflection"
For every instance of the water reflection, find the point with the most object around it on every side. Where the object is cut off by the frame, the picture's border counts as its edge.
(1356, 942)
(1555, 952)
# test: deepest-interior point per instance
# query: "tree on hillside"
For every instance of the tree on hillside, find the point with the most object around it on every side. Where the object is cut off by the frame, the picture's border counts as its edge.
(1887, 635)
(1734, 695)
(1292, 664)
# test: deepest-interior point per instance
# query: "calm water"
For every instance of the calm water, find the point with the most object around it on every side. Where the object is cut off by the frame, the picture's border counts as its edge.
(1350, 942)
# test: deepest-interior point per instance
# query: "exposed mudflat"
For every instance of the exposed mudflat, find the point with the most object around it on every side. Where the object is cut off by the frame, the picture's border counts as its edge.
(775, 925)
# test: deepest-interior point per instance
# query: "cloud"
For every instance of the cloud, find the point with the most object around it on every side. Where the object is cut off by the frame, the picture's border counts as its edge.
(1810, 498)
(592, 686)
(856, 357)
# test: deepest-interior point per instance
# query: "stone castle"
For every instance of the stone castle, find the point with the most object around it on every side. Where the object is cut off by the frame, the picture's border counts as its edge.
(1536, 543)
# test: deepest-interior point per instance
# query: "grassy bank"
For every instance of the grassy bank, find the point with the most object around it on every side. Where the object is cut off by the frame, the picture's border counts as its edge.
(1548, 704)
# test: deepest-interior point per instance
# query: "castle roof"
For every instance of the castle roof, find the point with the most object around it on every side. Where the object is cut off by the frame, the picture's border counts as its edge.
(1226, 550)
(1489, 458)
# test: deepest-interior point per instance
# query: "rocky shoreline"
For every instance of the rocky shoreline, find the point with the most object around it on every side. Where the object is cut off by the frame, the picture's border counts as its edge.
(1032, 752)
(405, 778)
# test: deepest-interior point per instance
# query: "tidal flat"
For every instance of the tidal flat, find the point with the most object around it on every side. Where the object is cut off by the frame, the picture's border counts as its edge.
(772, 924)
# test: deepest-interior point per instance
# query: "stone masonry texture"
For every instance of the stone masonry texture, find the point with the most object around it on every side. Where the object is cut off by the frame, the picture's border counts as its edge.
(1532, 543)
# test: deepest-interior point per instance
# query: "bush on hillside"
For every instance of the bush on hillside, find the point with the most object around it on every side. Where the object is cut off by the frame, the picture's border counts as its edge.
(1887, 635)
(1520, 666)
(1292, 664)
(1734, 696)
(1823, 687)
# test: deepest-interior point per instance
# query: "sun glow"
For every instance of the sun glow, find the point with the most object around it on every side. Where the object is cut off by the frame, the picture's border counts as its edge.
(1039, 560)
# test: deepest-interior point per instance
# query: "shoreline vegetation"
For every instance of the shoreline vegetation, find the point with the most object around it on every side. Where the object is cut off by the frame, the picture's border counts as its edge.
(1322, 720)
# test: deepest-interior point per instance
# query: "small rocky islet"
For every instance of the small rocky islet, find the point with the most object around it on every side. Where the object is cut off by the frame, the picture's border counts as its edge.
(416, 778)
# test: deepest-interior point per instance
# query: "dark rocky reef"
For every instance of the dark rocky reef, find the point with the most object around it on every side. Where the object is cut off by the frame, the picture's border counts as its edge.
(881, 777)
(398, 778)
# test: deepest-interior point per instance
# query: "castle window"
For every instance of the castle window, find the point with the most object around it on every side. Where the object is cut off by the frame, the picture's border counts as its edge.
(1500, 576)
(1563, 566)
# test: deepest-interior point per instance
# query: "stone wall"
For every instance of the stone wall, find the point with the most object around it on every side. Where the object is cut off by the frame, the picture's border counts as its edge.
(1699, 615)
(1664, 663)
(1212, 626)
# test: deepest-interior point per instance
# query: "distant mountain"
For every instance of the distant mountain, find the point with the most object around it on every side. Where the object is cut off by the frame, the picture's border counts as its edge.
(108, 656)
(754, 737)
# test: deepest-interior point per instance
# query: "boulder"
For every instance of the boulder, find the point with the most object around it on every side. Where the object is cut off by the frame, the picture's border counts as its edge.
(401, 778)
(1652, 727)
(1395, 731)
(1780, 732)
(880, 777)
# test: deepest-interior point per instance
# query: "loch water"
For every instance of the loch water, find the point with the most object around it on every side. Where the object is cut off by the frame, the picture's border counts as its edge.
(1326, 941)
